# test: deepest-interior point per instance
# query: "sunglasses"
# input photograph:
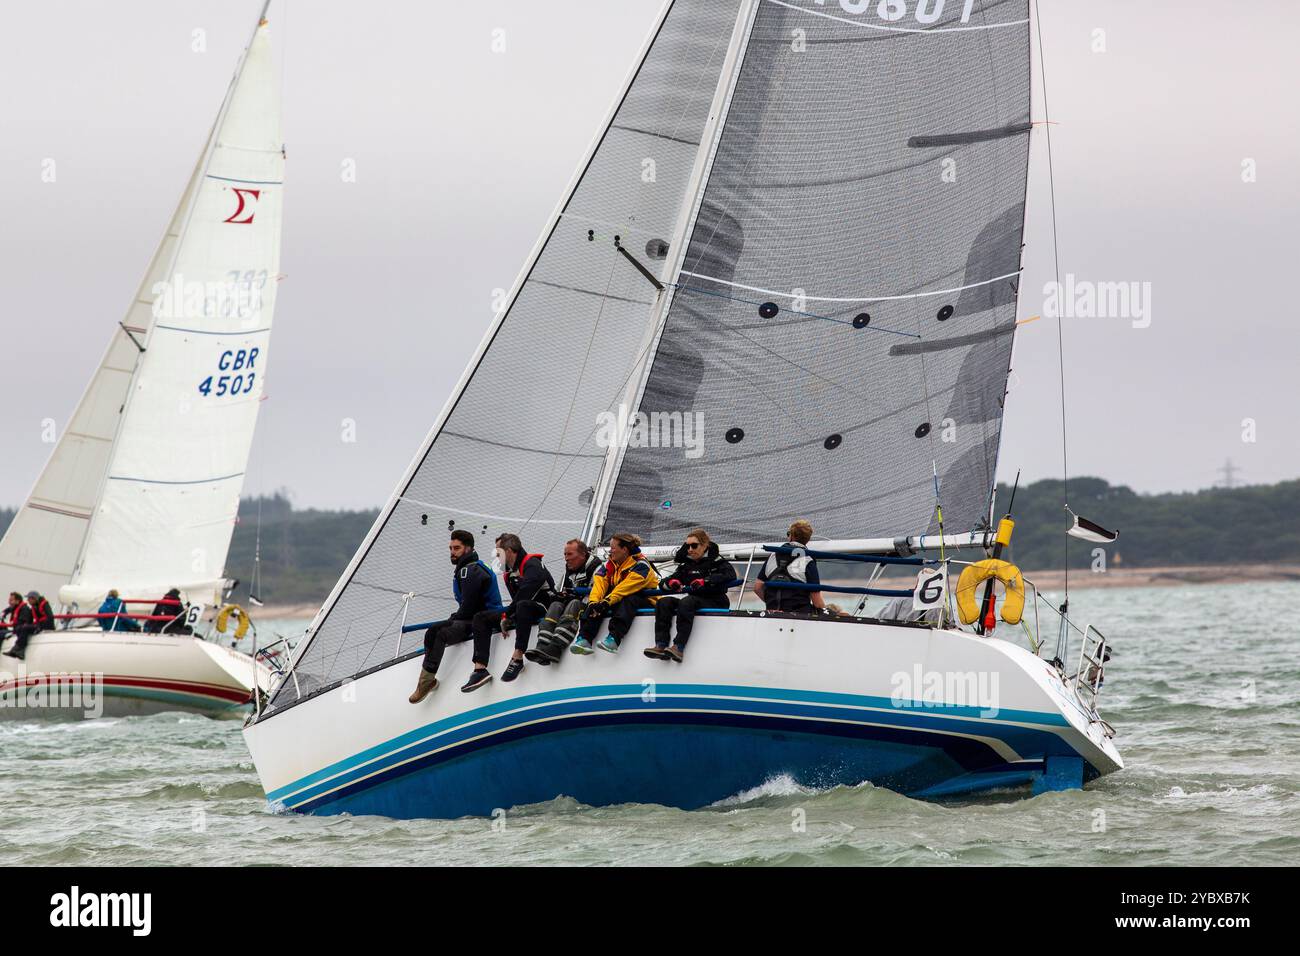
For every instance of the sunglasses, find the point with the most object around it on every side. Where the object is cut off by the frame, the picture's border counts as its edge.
(692, 545)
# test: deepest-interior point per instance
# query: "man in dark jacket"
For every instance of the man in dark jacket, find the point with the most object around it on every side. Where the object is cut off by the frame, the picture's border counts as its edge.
(22, 622)
(475, 588)
(170, 606)
(531, 587)
(560, 626)
(41, 611)
(702, 578)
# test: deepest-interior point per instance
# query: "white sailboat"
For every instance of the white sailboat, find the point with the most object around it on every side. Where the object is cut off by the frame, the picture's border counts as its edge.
(804, 224)
(142, 491)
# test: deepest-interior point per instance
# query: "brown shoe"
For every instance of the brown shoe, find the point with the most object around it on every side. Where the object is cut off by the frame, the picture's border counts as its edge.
(673, 653)
(427, 685)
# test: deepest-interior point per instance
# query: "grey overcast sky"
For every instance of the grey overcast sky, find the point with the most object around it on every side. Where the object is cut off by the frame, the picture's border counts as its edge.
(461, 153)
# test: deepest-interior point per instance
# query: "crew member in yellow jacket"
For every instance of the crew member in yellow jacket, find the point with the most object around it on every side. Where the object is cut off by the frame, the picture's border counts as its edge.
(618, 591)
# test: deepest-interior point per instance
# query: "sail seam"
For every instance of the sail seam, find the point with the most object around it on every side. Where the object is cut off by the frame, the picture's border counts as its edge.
(251, 182)
(876, 298)
(177, 328)
(156, 481)
(480, 514)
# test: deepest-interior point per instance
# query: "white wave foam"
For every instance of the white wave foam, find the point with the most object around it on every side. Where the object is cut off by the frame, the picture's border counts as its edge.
(782, 785)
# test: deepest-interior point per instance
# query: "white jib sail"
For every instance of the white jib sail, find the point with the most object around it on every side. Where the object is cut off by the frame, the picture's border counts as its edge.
(142, 491)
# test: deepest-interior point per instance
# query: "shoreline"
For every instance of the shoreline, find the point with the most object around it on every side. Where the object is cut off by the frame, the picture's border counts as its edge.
(1166, 576)
(1162, 576)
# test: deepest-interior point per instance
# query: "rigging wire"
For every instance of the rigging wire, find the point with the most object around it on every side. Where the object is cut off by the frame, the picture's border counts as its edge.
(1056, 257)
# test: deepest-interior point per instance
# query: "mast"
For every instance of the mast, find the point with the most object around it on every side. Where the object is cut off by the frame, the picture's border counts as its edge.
(594, 527)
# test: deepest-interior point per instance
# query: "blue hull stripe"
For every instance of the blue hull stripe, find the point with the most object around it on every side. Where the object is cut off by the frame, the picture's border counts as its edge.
(559, 709)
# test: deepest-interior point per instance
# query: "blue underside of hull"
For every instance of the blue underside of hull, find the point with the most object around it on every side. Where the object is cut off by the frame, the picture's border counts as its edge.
(673, 764)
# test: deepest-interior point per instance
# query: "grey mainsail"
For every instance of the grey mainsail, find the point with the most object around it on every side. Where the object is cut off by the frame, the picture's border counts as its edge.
(844, 316)
(518, 449)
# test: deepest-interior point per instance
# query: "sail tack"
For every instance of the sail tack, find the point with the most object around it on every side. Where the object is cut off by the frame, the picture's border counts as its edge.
(143, 487)
(844, 316)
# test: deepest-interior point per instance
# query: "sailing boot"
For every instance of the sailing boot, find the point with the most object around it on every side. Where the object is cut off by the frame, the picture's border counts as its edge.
(565, 632)
(544, 653)
(427, 684)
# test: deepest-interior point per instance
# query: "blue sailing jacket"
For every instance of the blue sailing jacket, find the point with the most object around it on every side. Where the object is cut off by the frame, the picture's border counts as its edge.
(475, 588)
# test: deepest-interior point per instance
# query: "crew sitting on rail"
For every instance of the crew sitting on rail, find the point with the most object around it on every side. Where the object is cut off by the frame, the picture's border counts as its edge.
(791, 566)
(112, 613)
(617, 592)
(702, 578)
(475, 588)
(41, 610)
(21, 621)
(560, 625)
(531, 588)
(169, 606)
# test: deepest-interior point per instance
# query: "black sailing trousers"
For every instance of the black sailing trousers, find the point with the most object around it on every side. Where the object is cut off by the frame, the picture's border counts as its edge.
(621, 616)
(683, 610)
(440, 636)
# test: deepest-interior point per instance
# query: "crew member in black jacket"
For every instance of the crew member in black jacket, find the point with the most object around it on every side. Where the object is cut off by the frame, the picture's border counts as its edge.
(23, 623)
(702, 578)
(475, 588)
(560, 625)
(42, 613)
(531, 588)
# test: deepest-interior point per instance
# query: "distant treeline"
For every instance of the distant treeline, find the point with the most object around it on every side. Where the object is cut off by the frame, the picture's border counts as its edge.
(1253, 524)
(304, 551)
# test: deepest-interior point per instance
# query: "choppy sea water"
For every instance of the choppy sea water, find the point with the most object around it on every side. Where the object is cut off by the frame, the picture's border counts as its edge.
(1204, 692)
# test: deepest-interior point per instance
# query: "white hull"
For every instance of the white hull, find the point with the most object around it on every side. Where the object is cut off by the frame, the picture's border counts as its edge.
(827, 702)
(88, 672)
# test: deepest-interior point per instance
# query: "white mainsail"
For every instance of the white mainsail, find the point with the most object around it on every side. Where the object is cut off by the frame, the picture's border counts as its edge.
(142, 490)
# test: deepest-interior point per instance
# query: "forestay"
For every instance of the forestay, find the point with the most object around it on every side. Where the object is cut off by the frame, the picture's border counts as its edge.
(844, 316)
(519, 446)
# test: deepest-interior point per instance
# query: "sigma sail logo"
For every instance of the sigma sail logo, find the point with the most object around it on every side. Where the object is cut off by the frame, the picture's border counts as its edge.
(891, 11)
(245, 205)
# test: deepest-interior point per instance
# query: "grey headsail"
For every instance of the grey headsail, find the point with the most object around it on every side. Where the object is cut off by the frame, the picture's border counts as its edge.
(845, 311)
(517, 449)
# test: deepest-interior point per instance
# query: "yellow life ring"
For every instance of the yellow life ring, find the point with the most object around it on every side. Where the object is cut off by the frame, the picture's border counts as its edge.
(223, 619)
(1013, 605)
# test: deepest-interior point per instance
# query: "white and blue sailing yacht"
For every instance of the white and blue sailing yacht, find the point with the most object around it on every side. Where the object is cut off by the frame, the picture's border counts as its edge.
(803, 221)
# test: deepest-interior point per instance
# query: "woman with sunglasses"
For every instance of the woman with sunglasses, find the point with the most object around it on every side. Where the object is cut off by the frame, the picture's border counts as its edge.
(701, 579)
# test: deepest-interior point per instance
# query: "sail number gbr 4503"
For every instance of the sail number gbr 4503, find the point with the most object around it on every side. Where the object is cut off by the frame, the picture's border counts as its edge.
(235, 374)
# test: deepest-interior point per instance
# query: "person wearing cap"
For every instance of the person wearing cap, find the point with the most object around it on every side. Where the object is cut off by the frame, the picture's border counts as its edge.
(41, 611)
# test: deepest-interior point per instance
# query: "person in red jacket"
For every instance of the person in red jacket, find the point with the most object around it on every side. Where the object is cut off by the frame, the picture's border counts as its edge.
(22, 622)
(41, 611)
